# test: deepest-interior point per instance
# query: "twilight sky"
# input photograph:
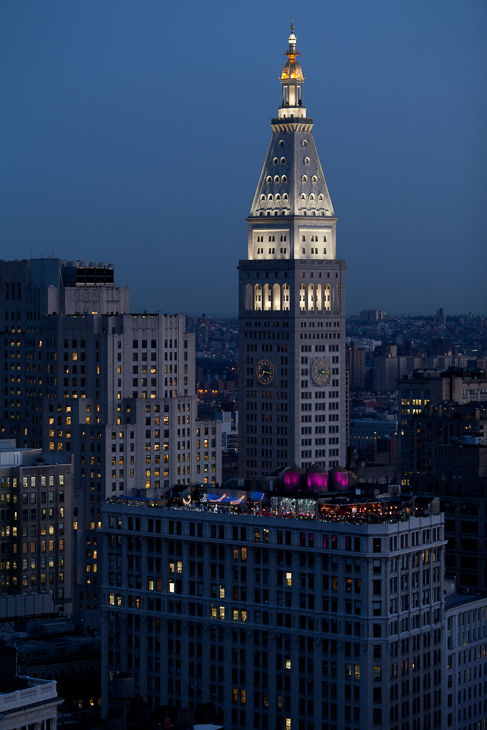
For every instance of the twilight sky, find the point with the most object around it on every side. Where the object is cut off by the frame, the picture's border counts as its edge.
(134, 132)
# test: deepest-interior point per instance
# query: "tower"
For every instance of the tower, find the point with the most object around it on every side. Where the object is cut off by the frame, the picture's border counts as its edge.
(291, 303)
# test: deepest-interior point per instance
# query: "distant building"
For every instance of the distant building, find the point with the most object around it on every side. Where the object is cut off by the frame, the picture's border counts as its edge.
(356, 366)
(432, 387)
(459, 478)
(371, 315)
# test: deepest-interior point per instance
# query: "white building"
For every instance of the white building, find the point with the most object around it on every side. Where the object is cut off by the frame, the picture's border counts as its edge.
(465, 680)
(25, 703)
(291, 304)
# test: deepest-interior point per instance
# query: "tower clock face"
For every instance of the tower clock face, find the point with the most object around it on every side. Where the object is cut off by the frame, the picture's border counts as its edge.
(265, 371)
(321, 372)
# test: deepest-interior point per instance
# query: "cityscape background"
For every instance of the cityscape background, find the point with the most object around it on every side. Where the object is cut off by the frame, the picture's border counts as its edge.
(133, 126)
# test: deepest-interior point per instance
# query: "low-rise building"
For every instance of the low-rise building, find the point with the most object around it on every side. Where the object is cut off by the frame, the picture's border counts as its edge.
(25, 703)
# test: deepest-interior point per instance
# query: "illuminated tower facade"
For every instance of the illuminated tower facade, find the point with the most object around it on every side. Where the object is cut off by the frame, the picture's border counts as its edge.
(291, 304)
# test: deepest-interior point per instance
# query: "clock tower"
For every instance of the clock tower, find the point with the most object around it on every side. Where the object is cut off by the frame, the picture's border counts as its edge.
(292, 386)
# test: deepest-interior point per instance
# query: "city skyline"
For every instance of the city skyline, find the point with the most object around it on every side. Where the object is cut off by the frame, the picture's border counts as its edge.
(112, 139)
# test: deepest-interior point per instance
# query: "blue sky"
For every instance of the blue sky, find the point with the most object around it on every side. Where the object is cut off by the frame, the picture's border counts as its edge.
(135, 132)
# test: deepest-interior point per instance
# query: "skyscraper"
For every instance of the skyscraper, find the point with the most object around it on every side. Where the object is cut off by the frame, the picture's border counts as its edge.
(84, 376)
(291, 303)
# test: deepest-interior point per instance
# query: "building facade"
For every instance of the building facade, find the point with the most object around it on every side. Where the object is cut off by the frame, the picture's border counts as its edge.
(432, 387)
(465, 681)
(36, 515)
(279, 620)
(291, 304)
(82, 376)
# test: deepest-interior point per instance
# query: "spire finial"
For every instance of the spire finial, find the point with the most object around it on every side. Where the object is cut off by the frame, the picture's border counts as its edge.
(292, 25)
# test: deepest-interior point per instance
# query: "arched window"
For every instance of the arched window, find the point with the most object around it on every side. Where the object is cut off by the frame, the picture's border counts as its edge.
(319, 297)
(314, 179)
(249, 298)
(327, 298)
(276, 179)
(284, 178)
(306, 160)
(269, 179)
(312, 196)
(304, 143)
(269, 197)
(311, 297)
(275, 161)
(302, 297)
(283, 160)
(281, 143)
(278, 197)
(257, 297)
(276, 297)
(286, 297)
(320, 196)
(284, 196)
(267, 298)
(304, 178)
(302, 196)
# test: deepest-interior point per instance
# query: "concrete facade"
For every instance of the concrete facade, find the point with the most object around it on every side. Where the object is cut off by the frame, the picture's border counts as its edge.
(280, 622)
(84, 377)
(36, 515)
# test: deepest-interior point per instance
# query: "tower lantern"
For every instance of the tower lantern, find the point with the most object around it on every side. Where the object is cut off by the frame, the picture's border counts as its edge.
(292, 81)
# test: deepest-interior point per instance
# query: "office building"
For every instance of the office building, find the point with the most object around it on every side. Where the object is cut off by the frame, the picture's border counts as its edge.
(84, 377)
(459, 479)
(36, 515)
(465, 686)
(433, 387)
(284, 609)
(292, 376)
(356, 366)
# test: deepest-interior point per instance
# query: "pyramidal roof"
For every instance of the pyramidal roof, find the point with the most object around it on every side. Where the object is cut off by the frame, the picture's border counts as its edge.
(292, 180)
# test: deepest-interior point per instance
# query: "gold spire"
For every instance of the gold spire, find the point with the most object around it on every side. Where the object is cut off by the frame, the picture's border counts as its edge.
(291, 52)
(292, 69)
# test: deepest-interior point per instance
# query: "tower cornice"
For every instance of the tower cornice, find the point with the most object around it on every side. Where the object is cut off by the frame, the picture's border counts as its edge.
(292, 124)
